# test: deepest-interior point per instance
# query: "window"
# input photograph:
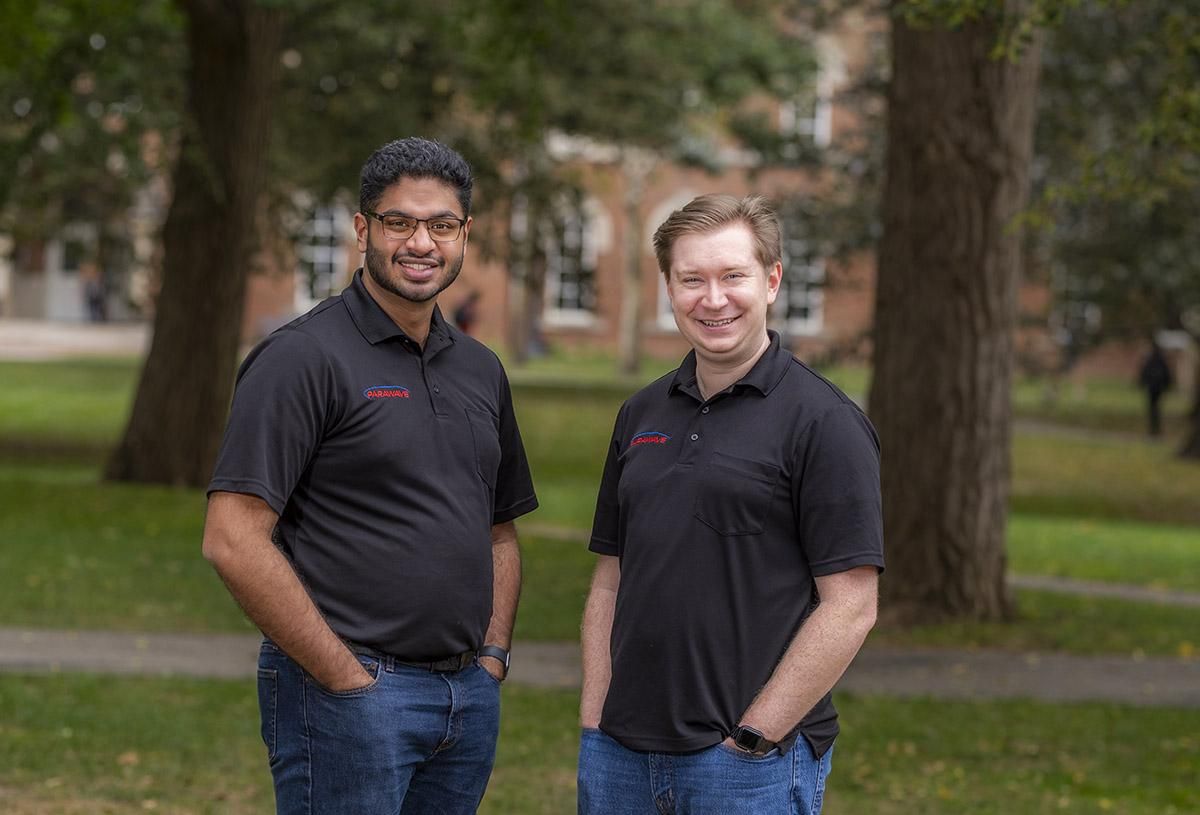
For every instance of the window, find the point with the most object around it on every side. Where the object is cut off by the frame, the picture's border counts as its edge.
(1076, 317)
(572, 247)
(800, 307)
(322, 255)
(809, 114)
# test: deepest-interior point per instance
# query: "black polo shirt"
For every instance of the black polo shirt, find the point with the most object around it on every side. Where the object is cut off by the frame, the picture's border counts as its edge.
(387, 465)
(722, 513)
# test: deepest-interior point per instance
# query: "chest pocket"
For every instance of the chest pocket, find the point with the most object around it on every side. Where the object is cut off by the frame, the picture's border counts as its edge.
(486, 439)
(734, 495)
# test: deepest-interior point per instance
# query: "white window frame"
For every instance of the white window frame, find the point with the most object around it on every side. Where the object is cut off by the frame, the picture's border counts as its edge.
(594, 229)
(811, 298)
(800, 267)
(322, 243)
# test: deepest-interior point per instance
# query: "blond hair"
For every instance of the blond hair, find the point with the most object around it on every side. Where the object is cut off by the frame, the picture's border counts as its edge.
(707, 213)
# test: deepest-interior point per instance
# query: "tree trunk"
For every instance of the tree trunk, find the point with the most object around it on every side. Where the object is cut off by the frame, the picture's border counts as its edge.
(174, 430)
(959, 144)
(636, 166)
(1191, 447)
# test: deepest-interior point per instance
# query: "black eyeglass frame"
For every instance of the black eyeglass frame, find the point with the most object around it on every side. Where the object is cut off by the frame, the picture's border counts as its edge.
(462, 222)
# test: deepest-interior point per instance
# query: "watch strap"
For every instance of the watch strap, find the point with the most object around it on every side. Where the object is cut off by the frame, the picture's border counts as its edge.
(496, 652)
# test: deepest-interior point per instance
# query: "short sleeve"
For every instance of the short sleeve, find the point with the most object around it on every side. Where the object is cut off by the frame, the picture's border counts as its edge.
(514, 484)
(836, 498)
(606, 523)
(281, 403)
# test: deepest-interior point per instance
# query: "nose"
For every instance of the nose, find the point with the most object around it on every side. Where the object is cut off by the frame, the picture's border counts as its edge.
(714, 295)
(419, 242)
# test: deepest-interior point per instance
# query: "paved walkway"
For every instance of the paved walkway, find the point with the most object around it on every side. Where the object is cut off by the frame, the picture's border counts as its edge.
(903, 672)
(41, 339)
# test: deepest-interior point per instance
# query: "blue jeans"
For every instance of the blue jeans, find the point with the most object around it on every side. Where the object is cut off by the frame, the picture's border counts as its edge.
(614, 780)
(412, 741)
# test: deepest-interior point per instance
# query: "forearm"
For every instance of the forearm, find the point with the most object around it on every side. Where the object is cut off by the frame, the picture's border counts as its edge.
(264, 584)
(506, 585)
(595, 637)
(817, 657)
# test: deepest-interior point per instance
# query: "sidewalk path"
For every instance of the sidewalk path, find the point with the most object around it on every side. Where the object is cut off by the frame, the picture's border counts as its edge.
(41, 339)
(878, 670)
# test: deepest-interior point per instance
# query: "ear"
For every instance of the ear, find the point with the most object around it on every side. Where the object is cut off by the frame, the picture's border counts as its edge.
(360, 230)
(466, 233)
(774, 279)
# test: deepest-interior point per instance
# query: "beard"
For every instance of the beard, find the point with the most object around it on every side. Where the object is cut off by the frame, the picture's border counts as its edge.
(379, 267)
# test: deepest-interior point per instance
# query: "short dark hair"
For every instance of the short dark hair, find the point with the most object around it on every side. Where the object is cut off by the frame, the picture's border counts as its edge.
(414, 157)
(707, 213)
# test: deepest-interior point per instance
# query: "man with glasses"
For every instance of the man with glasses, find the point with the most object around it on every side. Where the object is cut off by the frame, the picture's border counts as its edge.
(362, 510)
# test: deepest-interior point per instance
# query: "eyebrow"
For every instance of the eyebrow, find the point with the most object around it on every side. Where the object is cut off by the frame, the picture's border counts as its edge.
(733, 268)
(443, 214)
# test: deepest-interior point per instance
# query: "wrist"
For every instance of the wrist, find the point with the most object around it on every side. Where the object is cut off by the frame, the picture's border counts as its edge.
(499, 654)
(751, 740)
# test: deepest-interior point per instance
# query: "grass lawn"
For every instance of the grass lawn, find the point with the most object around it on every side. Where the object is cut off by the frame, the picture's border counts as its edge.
(1066, 623)
(1157, 556)
(1103, 478)
(1097, 404)
(88, 555)
(80, 744)
(67, 404)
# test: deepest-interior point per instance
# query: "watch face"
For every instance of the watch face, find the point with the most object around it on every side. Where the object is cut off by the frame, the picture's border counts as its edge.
(747, 739)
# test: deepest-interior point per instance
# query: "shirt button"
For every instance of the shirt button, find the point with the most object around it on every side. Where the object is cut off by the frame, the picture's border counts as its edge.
(436, 389)
(695, 436)
(704, 409)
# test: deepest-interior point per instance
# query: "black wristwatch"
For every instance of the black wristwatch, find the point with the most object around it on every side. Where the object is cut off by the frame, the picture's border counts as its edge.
(496, 652)
(751, 741)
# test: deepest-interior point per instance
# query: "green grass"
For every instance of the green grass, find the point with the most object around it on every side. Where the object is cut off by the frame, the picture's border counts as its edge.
(88, 555)
(1047, 621)
(1155, 556)
(1097, 404)
(72, 403)
(83, 744)
(80, 744)
(1103, 478)
(81, 553)
(1000, 758)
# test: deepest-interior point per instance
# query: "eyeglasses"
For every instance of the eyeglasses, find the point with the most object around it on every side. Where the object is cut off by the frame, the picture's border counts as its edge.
(401, 227)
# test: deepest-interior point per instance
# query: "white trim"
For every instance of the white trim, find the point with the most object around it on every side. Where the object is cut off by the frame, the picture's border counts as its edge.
(568, 318)
(321, 247)
(595, 236)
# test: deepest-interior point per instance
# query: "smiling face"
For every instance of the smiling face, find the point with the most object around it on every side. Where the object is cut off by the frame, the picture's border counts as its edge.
(416, 269)
(719, 294)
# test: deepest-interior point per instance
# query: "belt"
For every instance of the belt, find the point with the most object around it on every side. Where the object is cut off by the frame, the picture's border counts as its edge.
(447, 665)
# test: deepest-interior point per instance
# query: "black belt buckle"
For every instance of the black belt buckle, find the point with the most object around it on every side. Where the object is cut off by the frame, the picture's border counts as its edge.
(453, 664)
(448, 665)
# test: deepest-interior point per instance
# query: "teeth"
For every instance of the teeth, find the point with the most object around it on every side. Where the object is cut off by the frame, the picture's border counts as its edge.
(717, 323)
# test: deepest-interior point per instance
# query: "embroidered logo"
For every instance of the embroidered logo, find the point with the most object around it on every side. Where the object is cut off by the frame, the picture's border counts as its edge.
(387, 392)
(649, 437)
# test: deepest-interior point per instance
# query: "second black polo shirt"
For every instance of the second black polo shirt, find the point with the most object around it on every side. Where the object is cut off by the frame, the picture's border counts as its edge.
(723, 512)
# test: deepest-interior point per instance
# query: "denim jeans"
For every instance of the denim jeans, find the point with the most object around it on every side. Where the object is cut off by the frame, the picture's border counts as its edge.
(614, 780)
(413, 741)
